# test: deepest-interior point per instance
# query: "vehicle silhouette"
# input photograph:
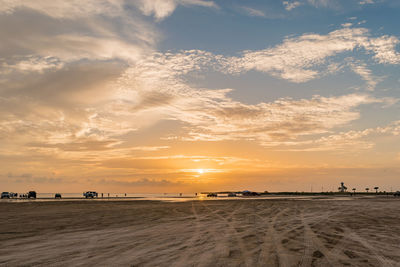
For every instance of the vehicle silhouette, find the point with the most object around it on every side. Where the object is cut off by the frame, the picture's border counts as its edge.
(90, 194)
(31, 194)
(5, 195)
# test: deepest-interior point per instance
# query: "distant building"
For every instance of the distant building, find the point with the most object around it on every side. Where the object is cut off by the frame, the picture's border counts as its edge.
(342, 188)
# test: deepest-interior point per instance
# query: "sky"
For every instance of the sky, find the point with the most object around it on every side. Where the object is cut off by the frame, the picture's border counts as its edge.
(154, 96)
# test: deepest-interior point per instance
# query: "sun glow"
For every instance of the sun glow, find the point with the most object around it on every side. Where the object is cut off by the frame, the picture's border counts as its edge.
(200, 171)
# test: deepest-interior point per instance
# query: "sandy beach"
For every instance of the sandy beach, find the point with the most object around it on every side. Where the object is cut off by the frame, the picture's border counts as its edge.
(292, 232)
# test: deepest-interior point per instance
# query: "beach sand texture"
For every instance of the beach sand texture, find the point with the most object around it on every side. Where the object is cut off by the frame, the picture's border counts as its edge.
(358, 232)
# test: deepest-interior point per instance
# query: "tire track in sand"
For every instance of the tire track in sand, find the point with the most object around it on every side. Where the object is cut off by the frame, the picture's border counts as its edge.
(313, 242)
(272, 243)
(383, 261)
(235, 234)
(190, 243)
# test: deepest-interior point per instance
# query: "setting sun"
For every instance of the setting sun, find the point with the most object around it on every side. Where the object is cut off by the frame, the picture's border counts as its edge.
(201, 171)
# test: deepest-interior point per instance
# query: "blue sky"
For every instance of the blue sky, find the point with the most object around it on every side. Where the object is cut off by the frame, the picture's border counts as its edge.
(217, 30)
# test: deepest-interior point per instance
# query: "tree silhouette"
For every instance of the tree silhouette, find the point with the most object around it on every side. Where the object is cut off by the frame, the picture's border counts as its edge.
(367, 189)
(354, 190)
(342, 187)
(376, 189)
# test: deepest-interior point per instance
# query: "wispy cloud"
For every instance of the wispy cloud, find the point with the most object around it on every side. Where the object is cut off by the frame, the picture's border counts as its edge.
(144, 182)
(161, 9)
(297, 59)
(215, 116)
(365, 2)
(366, 74)
(321, 3)
(46, 43)
(32, 64)
(289, 5)
(65, 9)
(75, 9)
(342, 141)
(149, 148)
(28, 178)
(253, 12)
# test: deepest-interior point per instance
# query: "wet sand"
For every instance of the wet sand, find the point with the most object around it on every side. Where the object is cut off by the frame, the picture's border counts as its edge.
(358, 232)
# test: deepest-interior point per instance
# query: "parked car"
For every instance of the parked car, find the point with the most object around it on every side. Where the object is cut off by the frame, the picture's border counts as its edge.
(5, 195)
(90, 194)
(58, 195)
(249, 193)
(31, 194)
(396, 194)
(212, 195)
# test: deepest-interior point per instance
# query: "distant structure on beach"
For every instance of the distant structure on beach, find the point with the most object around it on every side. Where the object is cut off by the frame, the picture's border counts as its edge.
(342, 188)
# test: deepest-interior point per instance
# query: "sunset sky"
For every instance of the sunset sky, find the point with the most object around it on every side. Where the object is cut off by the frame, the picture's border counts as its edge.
(157, 96)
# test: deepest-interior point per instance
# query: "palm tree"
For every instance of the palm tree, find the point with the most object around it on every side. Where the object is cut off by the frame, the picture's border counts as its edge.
(376, 189)
(354, 190)
(367, 189)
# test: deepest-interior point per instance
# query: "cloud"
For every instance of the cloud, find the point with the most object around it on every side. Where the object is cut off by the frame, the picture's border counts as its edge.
(43, 32)
(284, 119)
(364, 2)
(291, 5)
(253, 12)
(78, 144)
(321, 3)
(65, 9)
(145, 182)
(365, 73)
(161, 9)
(58, 109)
(32, 64)
(384, 48)
(300, 59)
(342, 141)
(149, 148)
(58, 60)
(28, 178)
(347, 24)
(213, 115)
(71, 47)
